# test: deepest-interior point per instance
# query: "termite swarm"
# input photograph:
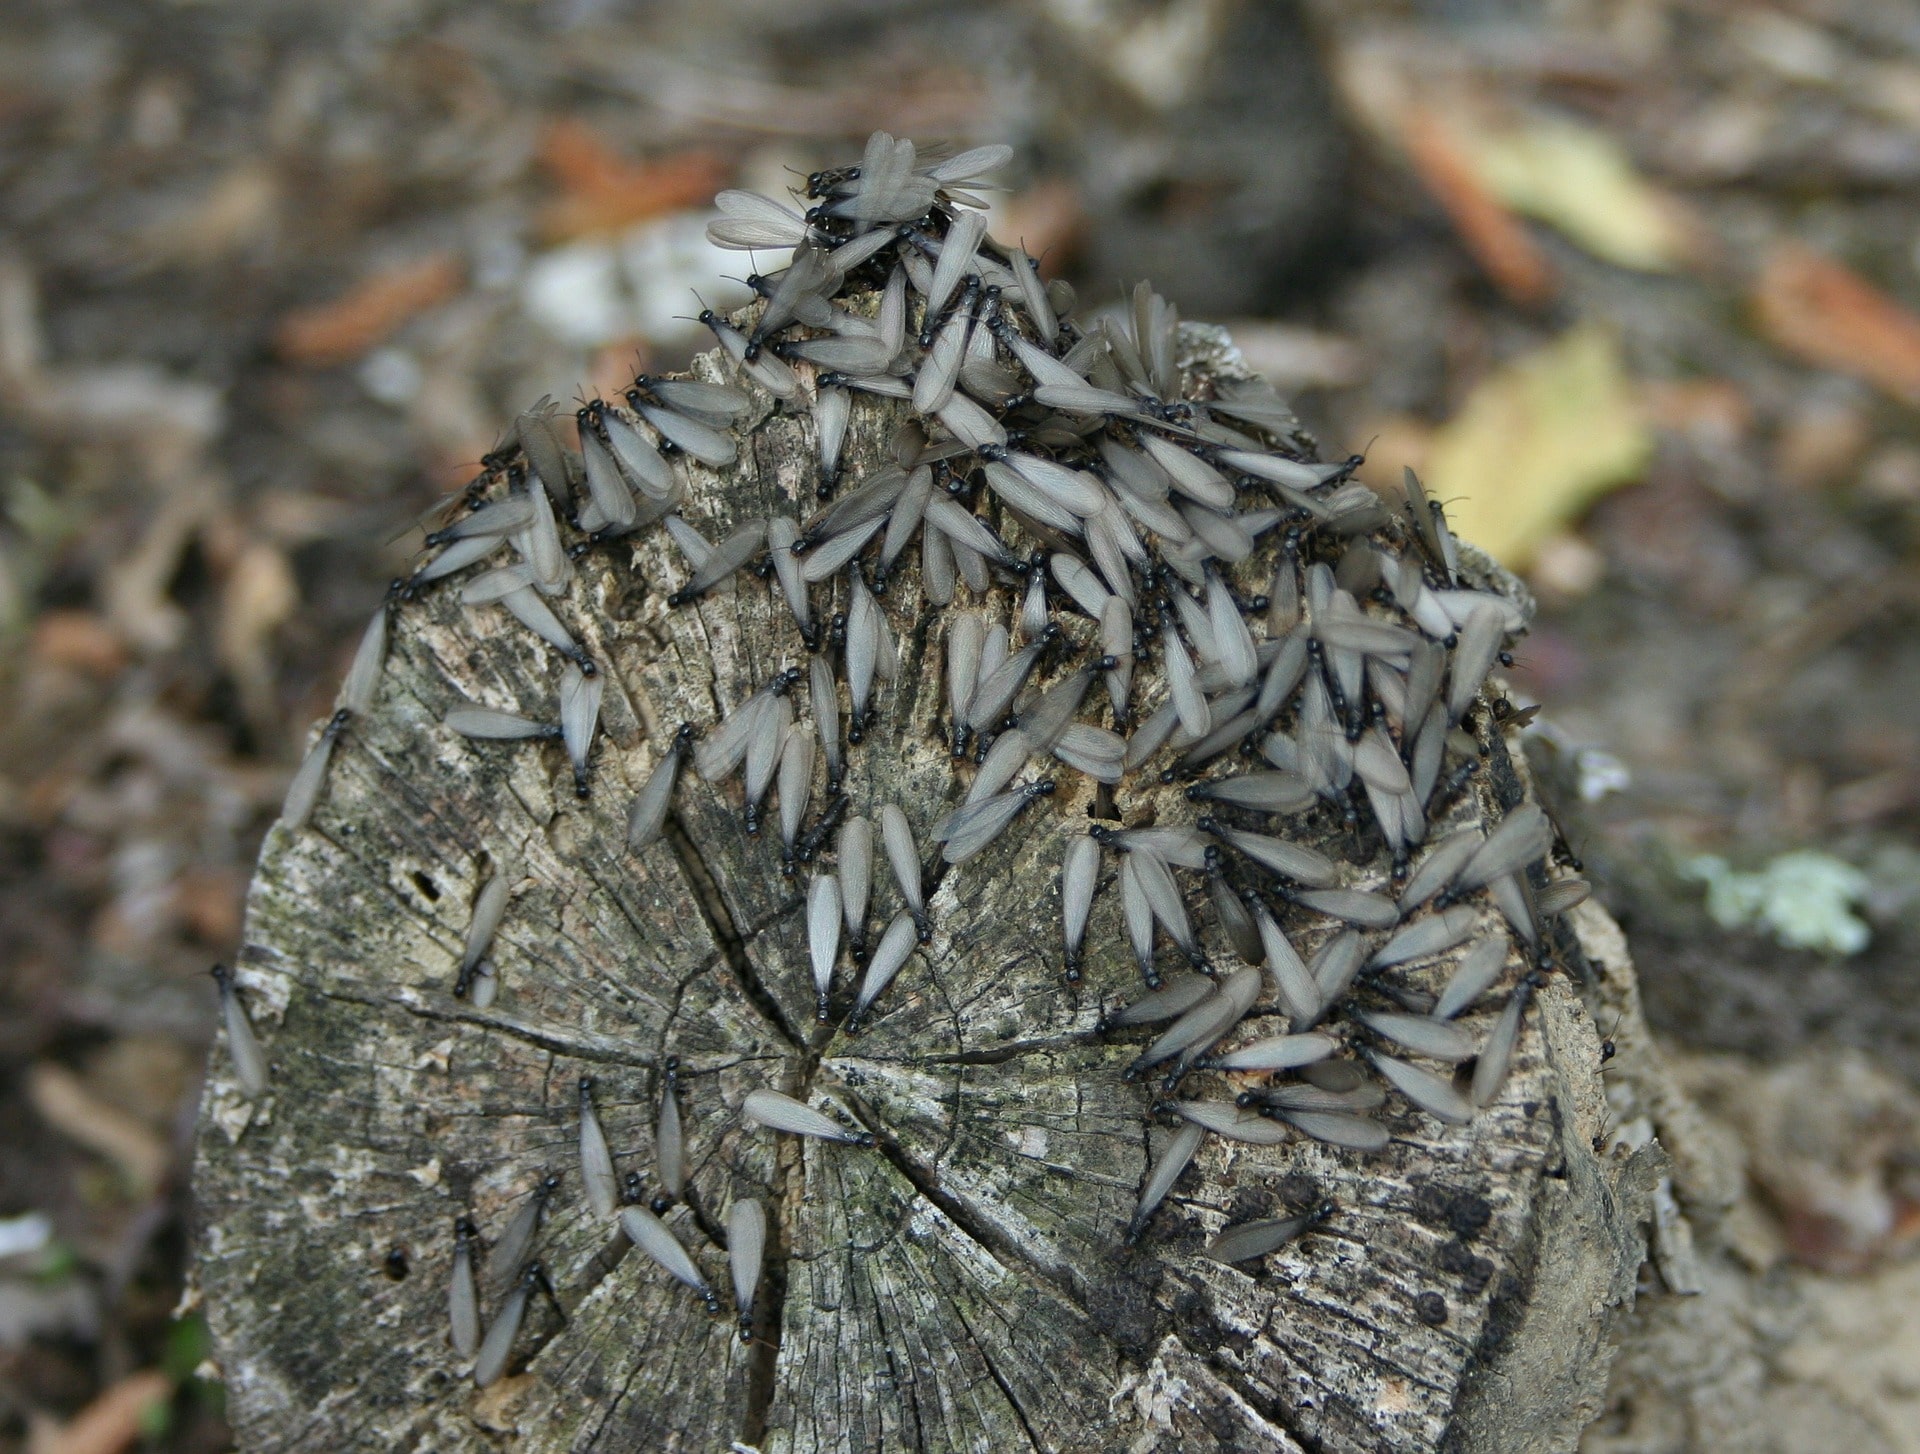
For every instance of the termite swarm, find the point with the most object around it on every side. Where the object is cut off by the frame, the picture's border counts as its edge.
(1134, 577)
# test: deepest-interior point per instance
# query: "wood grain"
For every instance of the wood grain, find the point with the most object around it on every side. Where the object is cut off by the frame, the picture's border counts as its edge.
(963, 1285)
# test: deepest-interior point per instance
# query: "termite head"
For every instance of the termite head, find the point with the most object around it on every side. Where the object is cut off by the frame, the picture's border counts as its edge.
(537, 1277)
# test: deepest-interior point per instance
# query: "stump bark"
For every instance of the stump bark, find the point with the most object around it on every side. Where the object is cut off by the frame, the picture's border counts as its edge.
(963, 1284)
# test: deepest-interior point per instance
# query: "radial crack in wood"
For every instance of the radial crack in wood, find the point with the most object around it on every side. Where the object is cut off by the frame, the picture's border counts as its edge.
(966, 1282)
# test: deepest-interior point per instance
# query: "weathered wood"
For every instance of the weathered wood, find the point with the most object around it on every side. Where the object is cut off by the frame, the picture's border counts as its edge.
(963, 1285)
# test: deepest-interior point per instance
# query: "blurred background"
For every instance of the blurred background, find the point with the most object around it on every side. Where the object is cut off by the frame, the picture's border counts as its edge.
(1632, 283)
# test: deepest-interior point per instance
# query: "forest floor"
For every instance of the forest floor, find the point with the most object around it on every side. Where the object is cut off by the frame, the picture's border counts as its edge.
(1634, 284)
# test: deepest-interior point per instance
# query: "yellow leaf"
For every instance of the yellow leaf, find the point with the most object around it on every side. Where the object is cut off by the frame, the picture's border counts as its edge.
(1537, 442)
(1579, 180)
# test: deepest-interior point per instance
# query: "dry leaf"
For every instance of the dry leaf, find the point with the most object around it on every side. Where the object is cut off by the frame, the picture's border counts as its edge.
(238, 211)
(111, 1422)
(1580, 181)
(613, 365)
(1821, 441)
(343, 329)
(1712, 413)
(1536, 442)
(208, 901)
(136, 598)
(1394, 443)
(66, 1103)
(1497, 239)
(258, 596)
(1829, 315)
(79, 640)
(1048, 219)
(604, 192)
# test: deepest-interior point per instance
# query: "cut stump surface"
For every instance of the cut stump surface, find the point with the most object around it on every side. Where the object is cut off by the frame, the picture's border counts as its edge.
(964, 1284)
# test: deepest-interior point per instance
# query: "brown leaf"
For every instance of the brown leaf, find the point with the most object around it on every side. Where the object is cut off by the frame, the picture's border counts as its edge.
(111, 1422)
(614, 364)
(136, 592)
(1498, 240)
(1821, 441)
(1048, 220)
(65, 1102)
(602, 191)
(80, 640)
(239, 210)
(208, 901)
(1712, 413)
(1829, 315)
(257, 597)
(343, 329)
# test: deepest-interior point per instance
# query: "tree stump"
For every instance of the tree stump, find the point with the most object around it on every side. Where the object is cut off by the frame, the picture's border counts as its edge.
(964, 1283)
